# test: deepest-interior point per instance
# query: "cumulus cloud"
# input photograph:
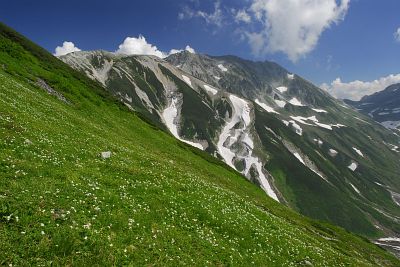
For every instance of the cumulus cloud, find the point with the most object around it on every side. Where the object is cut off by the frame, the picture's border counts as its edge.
(187, 48)
(397, 35)
(356, 89)
(66, 48)
(242, 16)
(215, 17)
(292, 27)
(139, 46)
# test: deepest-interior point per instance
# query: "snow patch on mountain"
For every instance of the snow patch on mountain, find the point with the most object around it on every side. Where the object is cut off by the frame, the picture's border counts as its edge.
(303, 159)
(231, 135)
(394, 239)
(319, 110)
(187, 80)
(282, 89)
(318, 141)
(294, 125)
(358, 151)
(303, 120)
(254, 161)
(295, 102)
(391, 124)
(332, 152)
(353, 166)
(290, 76)
(265, 107)
(145, 99)
(355, 188)
(297, 155)
(222, 68)
(170, 116)
(210, 89)
(280, 103)
(226, 139)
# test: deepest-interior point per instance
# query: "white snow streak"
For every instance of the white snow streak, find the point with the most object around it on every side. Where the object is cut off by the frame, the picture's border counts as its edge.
(332, 152)
(355, 188)
(230, 135)
(265, 107)
(170, 115)
(295, 102)
(297, 155)
(210, 89)
(282, 89)
(358, 152)
(319, 110)
(187, 80)
(280, 103)
(353, 166)
(222, 67)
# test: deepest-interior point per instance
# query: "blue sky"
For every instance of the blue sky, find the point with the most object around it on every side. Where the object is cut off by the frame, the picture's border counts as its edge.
(321, 40)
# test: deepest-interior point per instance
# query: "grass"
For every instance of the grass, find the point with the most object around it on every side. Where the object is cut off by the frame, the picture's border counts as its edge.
(155, 202)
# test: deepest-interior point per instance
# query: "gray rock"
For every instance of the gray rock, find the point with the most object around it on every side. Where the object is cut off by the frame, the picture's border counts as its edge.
(105, 154)
(42, 84)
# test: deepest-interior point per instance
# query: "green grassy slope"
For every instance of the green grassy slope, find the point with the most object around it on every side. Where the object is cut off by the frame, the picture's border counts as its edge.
(156, 201)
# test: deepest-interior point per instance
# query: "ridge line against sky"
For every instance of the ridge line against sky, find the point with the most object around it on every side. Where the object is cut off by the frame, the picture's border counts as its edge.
(325, 41)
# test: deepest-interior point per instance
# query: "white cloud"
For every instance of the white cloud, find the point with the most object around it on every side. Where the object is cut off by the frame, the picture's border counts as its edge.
(356, 89)
(292, 27)
(187, 48)
(242, 16)
(66, 48)
(139, 46)
(397, 35)
(215, 17)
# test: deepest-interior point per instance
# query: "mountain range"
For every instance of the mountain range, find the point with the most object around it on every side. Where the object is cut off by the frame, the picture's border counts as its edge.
(383, 106)
(304, 148)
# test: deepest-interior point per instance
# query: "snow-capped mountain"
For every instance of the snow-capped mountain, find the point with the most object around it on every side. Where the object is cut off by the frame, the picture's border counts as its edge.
(303, 147)
(383, 106)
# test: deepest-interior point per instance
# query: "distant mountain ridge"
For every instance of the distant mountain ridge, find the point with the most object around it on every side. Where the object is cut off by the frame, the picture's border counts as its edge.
(382, 106)
(291, 138)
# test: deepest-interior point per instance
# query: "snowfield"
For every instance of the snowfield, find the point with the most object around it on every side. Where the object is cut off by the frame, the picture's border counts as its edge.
(295, 126)
(391, 124)
(280, 103)
(318, 141)
(358, 152)
(297, 155)
(210, 89)
(231, 135)
(170, 115)
(187, 80)
(319, 110)
(332, 152)
(282, 89)
(303, 120)
(295, 102)
(222, 68)
(144, 98)
(265, 107)
(355, 188)
(353, 166)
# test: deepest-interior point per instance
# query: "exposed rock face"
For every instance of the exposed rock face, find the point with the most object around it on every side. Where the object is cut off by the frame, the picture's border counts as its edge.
(42, 84)
(383, 106)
